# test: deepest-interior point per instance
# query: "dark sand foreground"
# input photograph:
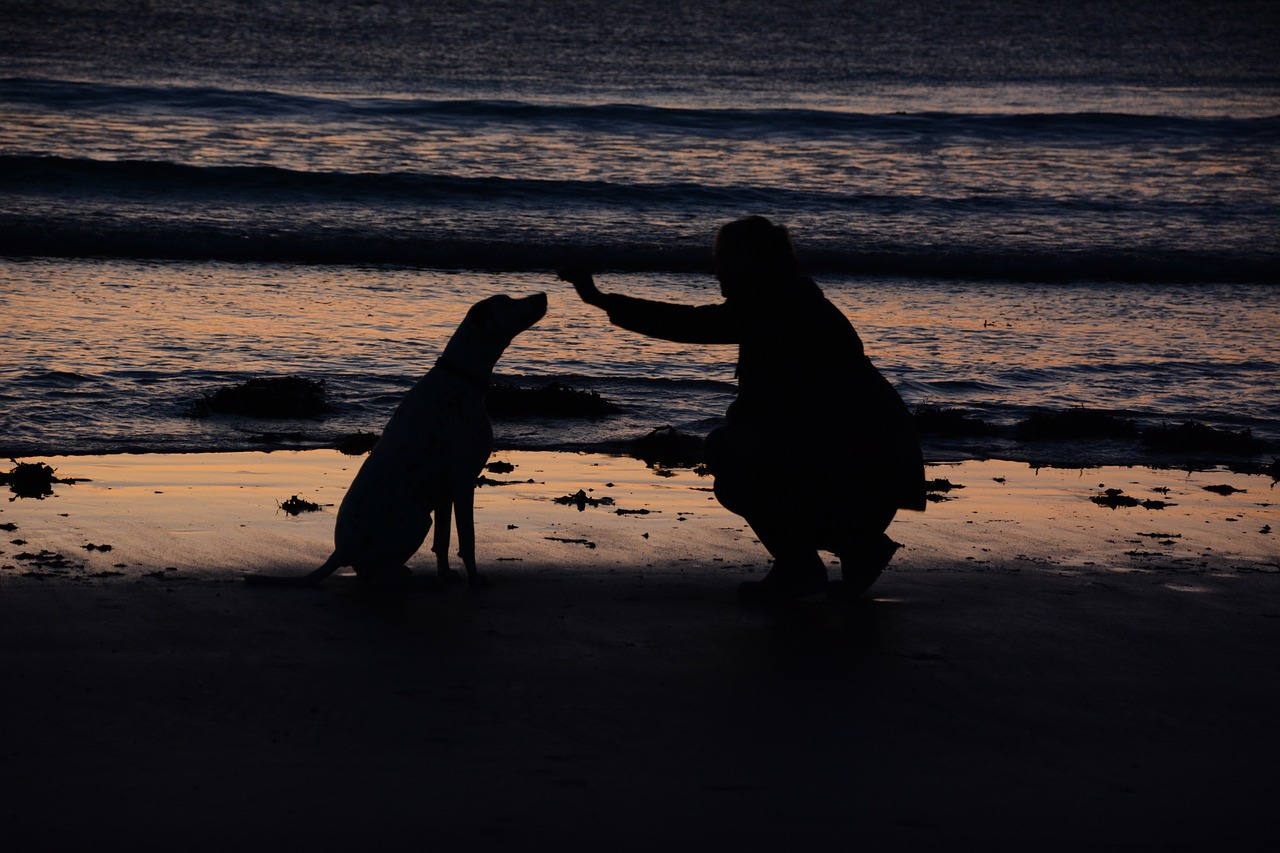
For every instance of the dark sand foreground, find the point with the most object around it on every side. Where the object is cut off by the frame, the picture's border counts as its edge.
(1036, 672)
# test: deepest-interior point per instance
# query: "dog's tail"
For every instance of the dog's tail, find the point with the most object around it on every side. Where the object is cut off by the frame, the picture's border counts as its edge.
(330, 566)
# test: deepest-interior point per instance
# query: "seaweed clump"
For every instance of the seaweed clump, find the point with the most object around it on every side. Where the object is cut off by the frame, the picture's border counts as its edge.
(296, 506)
(32, 480)
(266, 397)
(1193, 437)
(667, 447)
(1116, 498)
(1074, 424)
(582, 501)
(554, 400)
(936, 490)
(357, 443)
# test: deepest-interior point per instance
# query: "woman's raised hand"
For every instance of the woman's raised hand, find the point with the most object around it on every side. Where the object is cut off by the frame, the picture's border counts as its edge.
(583, 282)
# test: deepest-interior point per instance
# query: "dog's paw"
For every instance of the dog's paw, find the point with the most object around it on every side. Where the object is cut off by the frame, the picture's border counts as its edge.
(448, 575)
(477, 581)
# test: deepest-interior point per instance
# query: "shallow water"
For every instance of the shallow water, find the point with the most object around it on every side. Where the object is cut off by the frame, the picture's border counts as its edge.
(110, 355)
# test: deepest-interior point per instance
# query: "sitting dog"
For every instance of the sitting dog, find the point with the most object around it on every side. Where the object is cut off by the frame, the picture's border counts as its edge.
(427, 460)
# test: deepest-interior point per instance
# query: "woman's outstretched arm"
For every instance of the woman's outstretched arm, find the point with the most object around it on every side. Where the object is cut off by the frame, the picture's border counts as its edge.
(691, 324)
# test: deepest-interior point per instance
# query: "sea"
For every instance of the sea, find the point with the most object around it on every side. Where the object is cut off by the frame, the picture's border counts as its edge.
(1025, 209)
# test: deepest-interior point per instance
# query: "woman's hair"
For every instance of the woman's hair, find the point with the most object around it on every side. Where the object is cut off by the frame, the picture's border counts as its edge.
(757, 241)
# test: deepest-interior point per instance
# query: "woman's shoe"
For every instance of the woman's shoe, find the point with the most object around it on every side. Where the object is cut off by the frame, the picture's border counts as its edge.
(862, 564)
(783, 584)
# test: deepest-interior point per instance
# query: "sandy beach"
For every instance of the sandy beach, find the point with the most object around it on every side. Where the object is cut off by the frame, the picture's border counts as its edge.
(1036, 671)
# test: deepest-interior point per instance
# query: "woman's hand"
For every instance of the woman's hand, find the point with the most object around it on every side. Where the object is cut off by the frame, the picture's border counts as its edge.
(584, 283)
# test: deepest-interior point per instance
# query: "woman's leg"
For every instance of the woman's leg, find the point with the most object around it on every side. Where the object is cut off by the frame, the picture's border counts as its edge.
(750, 483)
(852, 526)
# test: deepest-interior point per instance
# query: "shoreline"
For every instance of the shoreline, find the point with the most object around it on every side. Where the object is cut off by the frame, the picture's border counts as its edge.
(1034, 670)
(227, 511)
(674, 447)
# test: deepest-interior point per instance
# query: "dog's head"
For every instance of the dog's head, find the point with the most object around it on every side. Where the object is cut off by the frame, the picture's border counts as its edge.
(503, 317)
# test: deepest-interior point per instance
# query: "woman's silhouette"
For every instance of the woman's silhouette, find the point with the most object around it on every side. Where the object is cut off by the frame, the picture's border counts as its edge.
(818, 450)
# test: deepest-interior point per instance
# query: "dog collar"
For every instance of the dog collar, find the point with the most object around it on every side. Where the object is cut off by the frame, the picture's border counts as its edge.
(475, 380)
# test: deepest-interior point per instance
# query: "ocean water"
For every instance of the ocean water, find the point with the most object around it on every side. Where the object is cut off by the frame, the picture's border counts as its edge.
(1021, 209)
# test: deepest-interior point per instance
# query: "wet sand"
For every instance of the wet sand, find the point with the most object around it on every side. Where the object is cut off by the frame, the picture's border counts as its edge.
(1035, 671)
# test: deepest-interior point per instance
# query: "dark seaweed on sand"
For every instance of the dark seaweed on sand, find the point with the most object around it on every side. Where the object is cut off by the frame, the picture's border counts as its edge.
(554, 400)
(1193, 437)
(1263, 469)
(357, 444)
(1072, 424)
(296, 505)
(667, 447)
(936, 490)
(266, 397)
(582, 501)
(499, 468)
(1116, 498)
(32, 480)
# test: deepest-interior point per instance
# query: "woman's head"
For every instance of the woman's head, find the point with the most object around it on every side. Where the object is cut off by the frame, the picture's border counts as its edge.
(753, 254)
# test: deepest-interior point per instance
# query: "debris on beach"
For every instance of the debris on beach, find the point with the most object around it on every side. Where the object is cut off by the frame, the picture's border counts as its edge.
(1224, 489)
(500, 468)
(1073, 424)
(482, 480)
(581, 500)
(266, 397)
(667, 447)
(296, 505)
(8, 527)
(1193, 437)
(356, 444)
(585, 542)
(92, 547)
(554, 400)
(1116, 498)
(164, 574)
(1269, 469)
(1161, 536)
(936, 490)
(50, 561)
(33, 480)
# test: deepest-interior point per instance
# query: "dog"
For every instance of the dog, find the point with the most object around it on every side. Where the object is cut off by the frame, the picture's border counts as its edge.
(427, 460)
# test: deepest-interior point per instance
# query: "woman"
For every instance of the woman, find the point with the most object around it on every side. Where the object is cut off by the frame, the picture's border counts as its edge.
(818, 450)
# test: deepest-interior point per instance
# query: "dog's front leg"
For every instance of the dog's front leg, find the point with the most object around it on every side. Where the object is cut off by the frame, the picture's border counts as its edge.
(464, 510)
(440, 542)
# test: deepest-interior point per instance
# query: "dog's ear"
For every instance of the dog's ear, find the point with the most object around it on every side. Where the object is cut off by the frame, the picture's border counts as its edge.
(482, 315)
(487, 313)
